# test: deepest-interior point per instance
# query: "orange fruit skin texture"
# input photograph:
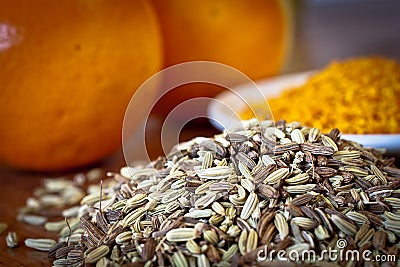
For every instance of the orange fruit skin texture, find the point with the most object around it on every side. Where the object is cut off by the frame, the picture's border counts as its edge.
(248, 35)
(66, 84)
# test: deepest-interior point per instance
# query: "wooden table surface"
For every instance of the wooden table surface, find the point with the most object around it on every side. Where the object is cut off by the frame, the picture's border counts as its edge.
(325, 30)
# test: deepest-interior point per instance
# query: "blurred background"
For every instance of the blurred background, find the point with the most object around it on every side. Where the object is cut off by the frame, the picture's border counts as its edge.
(69, 69)
(333, 29)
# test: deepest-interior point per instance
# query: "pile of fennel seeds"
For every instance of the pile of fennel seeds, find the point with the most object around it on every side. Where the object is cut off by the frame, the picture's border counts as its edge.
(219, 201)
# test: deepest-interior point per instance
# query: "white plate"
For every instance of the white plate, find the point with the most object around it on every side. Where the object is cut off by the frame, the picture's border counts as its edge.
(224, 109)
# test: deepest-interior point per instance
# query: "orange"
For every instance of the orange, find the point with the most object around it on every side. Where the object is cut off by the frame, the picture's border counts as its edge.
(250, 35)
(68, 71)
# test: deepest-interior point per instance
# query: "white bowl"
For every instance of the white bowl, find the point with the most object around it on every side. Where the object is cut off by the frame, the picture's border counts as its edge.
(224, 109)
